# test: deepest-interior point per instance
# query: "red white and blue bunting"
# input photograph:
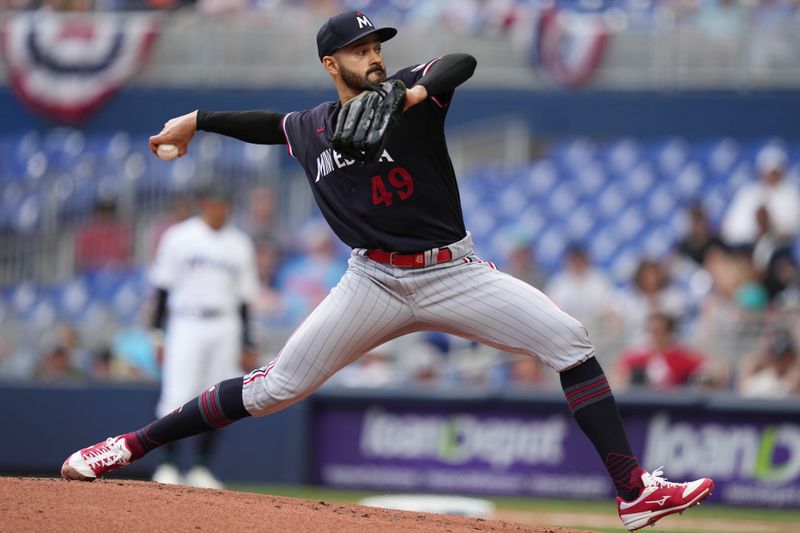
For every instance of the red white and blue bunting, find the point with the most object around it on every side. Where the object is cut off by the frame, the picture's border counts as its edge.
(66, 67)
(570, 46)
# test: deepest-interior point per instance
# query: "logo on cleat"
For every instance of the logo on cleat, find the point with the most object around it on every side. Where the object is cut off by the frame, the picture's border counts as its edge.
(660, 502)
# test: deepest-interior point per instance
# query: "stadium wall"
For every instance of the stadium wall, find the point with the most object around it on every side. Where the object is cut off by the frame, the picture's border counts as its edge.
(691, 114)
(52, 420)
(527, 444)
(521, 443)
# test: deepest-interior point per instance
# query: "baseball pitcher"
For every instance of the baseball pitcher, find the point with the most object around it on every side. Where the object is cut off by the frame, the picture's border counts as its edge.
(377, 162)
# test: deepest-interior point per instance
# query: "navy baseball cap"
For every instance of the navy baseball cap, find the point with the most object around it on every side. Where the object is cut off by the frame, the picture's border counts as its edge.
(347, 28)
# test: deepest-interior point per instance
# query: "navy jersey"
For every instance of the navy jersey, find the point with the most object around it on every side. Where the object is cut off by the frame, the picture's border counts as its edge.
(407, 201)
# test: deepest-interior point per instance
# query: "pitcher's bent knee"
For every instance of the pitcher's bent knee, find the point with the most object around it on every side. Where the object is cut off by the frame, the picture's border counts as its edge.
(263, 396)
(568, 349)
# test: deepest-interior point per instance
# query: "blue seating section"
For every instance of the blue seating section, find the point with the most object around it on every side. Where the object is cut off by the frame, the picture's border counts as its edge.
(623, 199)
(88, 300)
(64, 172)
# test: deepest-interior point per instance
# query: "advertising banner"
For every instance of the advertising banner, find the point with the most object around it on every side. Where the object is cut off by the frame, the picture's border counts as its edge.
(754, 460)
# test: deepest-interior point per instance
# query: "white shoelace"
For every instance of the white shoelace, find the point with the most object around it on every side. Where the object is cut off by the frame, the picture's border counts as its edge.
(655, 478)
(103, 454)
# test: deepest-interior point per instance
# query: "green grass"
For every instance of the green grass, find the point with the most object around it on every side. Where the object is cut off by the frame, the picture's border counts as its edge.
(768, 516)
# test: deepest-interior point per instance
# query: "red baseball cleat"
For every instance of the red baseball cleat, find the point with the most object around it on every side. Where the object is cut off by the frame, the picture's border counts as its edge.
(660, 498)
(90, 463)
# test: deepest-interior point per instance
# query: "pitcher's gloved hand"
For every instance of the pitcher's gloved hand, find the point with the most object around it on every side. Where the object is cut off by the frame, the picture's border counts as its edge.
(365, 121)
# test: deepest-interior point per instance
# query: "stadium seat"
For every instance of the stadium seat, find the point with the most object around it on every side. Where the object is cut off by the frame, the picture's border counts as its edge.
(640, 179)
(660, 202)
(562, 200)
(541, 178)
(615, 196)
(72, 298)
(671, 155)
(590, 180)
(62, 146)
(622, 156)
(126, 301)
(611, 201)
(580, 223)
(27, 215)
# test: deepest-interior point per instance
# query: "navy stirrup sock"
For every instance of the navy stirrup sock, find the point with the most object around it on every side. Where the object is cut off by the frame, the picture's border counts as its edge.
(592, 403)
(215, 408)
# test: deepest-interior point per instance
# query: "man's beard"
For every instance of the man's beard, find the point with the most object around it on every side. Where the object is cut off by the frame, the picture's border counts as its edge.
(356, 83)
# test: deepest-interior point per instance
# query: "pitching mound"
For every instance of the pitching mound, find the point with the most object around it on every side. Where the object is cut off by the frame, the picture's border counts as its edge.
(43, 504)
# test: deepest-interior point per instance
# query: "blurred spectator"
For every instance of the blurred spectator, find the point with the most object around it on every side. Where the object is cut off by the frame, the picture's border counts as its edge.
(17, 362)
(731, 313)
(779, 196)
(774, 372)
(750, 293)
(459, 361)
(528, 373)
(521, 264)
(773, 258)
(425, 369)
(268, 304)
(306, 280)
(56, 365)
(787, 302)
(101, 366)
(68, 5)
(721, 20)
(133, 356)
(581, 289)
(374, 369)
(475, 366)
(700, 237)
(5, 357)
(69, 337)
(261, 214)
(418, 361)
(218, 7)
(406, 362)
(651, 291)
(679, 11)
(769, 48)
(17, 5)
(63, 347)
(104, 241)
(663, 363)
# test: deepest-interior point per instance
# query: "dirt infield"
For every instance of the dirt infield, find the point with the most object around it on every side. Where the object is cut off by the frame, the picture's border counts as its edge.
(44, 504)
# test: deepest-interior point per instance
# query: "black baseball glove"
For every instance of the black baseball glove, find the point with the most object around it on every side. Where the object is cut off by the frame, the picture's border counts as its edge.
(364, 122)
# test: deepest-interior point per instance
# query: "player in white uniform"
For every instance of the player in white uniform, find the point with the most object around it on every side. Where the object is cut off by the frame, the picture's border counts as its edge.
(412, 268)
(204, 275)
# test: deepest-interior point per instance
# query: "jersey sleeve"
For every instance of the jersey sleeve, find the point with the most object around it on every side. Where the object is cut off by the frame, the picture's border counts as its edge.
(411, 75)
(297, 131)
(164, 270)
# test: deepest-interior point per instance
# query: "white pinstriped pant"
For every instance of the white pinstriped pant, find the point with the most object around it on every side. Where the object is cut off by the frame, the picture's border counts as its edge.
(374, 303)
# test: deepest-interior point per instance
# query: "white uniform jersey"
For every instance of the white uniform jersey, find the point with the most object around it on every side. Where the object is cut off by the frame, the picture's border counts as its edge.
(205, 270)
(208, 274)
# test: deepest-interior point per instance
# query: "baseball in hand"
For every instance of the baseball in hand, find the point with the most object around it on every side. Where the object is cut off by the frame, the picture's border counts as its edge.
(167, 152)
